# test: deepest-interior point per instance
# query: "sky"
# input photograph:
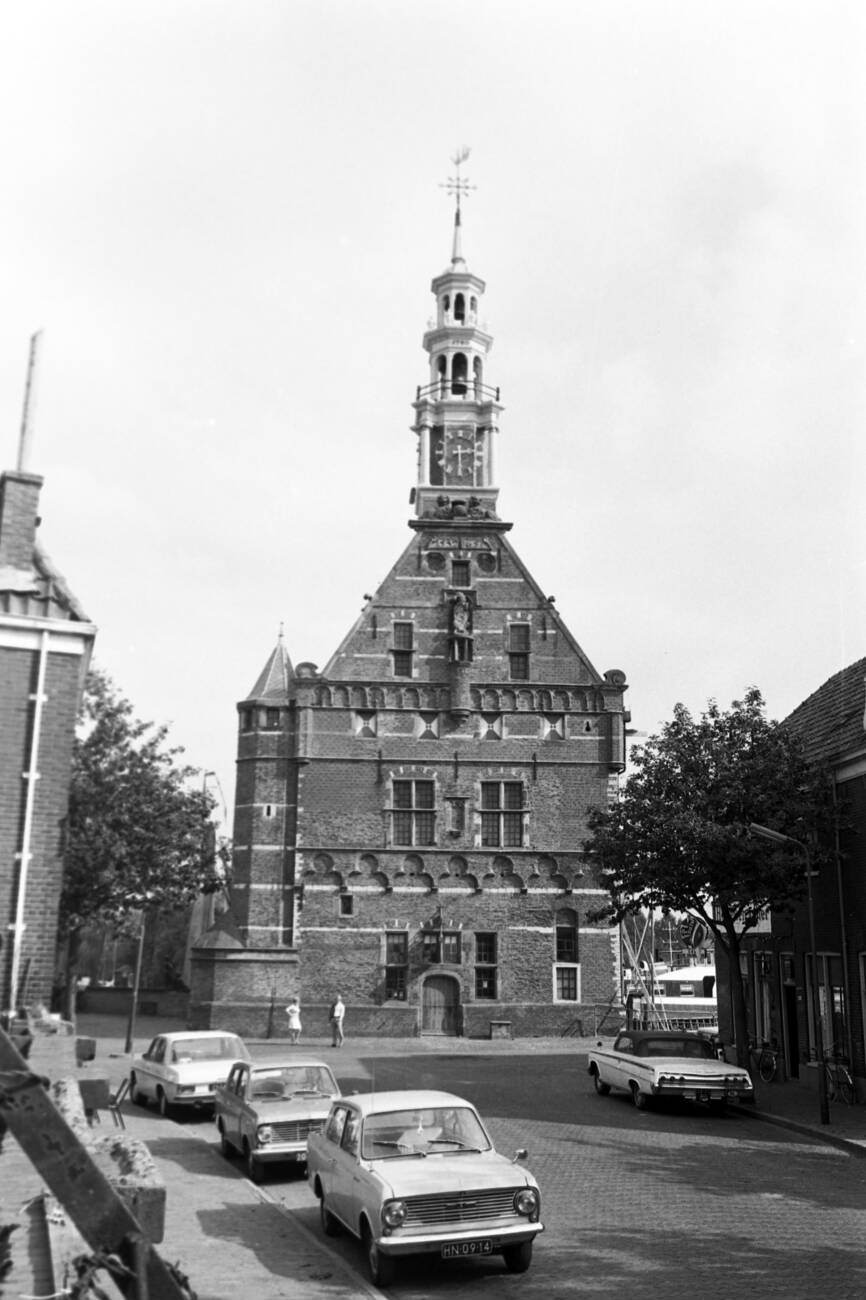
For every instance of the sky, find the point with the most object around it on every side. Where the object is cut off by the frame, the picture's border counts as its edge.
(224, 217)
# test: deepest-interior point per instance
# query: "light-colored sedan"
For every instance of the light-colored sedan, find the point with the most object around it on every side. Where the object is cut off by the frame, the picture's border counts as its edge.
(415, 1172)
(266, 1111)
(184, 1069)
(654, 1064)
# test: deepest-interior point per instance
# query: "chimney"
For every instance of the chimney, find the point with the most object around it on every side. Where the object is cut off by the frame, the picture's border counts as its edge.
(19, 502)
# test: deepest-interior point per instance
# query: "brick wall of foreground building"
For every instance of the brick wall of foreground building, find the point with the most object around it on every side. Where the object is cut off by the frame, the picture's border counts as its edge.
(45, 643)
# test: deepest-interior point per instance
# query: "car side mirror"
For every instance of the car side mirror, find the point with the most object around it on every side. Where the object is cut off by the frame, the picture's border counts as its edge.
(520, 1154)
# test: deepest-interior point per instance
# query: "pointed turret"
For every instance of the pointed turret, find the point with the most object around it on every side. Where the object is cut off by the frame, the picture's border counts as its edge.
(273, 684)
(457, 411)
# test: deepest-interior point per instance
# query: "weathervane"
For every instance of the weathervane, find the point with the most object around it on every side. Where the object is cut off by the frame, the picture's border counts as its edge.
(456, 185)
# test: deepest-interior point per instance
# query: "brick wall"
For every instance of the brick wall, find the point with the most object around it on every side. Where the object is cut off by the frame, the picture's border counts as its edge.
(18, 677)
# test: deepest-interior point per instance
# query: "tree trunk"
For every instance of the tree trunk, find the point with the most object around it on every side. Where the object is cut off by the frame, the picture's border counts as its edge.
(738, 998)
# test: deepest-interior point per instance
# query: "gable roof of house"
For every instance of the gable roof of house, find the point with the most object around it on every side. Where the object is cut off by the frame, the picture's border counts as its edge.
(832, 721)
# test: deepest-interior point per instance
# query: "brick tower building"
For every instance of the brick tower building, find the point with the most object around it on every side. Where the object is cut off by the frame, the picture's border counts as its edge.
(45, 645)
(409, 821)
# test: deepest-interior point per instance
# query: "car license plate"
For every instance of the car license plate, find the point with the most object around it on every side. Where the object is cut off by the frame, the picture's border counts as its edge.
(690, 1096)
(456, 1249)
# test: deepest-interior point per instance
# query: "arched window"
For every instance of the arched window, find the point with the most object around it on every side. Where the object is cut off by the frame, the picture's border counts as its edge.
(441, 370)
(458, 374)
(459, 308)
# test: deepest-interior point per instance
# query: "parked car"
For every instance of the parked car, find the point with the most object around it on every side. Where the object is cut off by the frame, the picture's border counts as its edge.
(184, 1069)
(265, 1112)
(655, 1064)
(415, 1172)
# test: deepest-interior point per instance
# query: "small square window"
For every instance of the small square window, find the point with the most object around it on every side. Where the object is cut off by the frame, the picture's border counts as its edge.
(365, 722)
(347, 905)
(460, 575)
(554, 726)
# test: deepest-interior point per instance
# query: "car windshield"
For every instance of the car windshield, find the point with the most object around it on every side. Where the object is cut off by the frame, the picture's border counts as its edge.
(675, 1047)
(440, 1130)
(228, 1047)
(279, 1082)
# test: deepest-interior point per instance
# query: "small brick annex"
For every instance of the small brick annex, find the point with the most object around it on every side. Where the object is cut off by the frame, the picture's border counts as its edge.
(409, 821)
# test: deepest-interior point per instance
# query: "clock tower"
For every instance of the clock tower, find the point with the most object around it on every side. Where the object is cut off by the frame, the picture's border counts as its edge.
(456, 411)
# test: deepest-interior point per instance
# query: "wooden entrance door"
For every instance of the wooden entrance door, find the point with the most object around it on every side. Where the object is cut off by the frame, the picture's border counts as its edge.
(440, 1005)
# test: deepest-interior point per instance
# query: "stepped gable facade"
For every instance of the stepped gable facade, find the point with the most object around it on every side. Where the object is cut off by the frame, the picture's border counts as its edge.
(409, 820)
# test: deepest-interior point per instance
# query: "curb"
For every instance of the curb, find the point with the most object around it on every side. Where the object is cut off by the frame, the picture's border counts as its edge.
(851, 1145)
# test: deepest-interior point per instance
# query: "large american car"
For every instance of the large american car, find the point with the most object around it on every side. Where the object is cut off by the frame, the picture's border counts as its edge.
(265, 1111)
(184, 1069)
(415, 1172)
(657, 1064)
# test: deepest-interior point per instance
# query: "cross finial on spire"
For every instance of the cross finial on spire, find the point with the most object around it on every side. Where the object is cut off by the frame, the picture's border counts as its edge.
(459, 187)
(456, 185)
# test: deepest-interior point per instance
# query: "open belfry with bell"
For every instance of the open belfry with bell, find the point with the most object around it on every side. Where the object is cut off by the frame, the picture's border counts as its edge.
(410, 818)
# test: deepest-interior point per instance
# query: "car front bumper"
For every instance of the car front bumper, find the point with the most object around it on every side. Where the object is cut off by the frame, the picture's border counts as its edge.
(421, 1243)
(274, 1152)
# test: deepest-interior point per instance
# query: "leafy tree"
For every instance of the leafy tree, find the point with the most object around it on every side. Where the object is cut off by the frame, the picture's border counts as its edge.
(137, 832)
(678, 838)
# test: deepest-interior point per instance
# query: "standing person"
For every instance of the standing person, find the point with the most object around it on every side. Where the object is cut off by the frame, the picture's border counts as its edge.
(337, 1012)
(293, 1011)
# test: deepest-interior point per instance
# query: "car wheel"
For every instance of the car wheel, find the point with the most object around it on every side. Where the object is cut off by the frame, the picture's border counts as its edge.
(226, 1147)
(255, 1169)
(518, 1258)
(601, 1088)
(137, 1097)
(165, 1107)
(380, 1267)
(330, 1226)
(639, 1098)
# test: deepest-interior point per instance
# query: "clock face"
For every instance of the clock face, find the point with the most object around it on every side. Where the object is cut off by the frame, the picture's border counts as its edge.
(460, 454)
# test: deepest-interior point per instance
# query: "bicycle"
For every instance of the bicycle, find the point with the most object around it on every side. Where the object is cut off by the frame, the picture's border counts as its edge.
(766, 1059)
(839, 1081)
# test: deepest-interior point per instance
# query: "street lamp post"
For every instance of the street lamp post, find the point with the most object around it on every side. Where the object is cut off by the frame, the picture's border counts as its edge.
(766, 833)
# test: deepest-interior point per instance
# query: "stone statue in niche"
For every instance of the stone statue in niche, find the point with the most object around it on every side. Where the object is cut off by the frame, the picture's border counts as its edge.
(443, 507)
(461, 615)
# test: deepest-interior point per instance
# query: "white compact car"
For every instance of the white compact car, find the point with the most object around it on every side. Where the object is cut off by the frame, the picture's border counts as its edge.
(415, 1172)
(184, 1069)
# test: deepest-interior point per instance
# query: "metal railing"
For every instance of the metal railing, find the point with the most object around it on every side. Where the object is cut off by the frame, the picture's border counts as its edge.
(466, 388)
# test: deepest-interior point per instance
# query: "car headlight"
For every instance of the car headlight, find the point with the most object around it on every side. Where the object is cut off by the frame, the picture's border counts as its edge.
(527, 1202)
(393, 1213)
(264, 1135)
(185, 1087)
